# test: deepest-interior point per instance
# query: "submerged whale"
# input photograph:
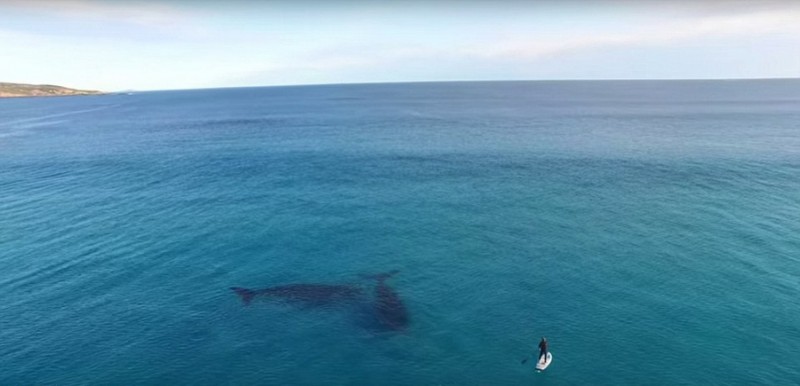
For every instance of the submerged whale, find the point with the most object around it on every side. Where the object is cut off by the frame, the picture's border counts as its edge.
(386, 308)
(389, 308)
(306, 293)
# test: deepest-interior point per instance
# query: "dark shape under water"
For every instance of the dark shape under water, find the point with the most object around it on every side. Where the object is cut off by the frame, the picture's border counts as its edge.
(389, 308)
(318, 294)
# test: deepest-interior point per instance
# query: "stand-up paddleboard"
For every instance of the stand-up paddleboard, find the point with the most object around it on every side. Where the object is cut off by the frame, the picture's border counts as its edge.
(542, 364)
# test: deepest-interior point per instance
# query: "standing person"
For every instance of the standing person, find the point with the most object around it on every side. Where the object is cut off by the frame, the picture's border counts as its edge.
(543, 350)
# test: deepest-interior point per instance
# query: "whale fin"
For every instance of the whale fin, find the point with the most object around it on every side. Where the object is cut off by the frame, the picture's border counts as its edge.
(382, 276)
(245, 294)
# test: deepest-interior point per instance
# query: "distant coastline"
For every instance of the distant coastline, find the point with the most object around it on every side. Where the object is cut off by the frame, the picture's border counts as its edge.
(19, 90)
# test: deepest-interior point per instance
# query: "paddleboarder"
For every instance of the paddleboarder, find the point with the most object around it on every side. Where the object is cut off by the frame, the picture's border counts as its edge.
(543, 350)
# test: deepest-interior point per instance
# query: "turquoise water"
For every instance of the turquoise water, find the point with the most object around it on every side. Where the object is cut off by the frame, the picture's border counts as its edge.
(648, 229)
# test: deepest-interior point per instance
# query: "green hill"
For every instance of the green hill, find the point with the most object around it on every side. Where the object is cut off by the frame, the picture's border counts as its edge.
(8, 90)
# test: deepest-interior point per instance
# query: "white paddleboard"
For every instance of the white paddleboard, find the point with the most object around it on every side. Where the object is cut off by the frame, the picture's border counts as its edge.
(542, 364)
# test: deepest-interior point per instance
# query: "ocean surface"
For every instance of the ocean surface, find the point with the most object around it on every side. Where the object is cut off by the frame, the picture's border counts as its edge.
(649, 229)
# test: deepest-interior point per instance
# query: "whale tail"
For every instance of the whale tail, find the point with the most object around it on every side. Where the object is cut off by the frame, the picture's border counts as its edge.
(382, 276)
(244, 293)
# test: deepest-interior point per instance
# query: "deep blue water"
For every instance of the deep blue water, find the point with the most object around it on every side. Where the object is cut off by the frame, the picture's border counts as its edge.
(651, 230)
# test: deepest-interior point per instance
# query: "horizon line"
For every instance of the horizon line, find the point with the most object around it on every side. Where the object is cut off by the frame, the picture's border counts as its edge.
(459, 81)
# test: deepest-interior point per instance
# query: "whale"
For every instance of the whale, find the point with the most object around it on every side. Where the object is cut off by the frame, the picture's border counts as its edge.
(388, 306)
(384, 310)
(314, 294)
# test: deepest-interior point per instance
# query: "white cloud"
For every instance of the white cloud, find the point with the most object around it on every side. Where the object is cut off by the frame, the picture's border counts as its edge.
(127, 12)
(89, 15)
(754, 24)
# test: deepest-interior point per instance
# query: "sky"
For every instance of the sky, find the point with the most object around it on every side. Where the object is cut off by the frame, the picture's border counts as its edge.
(158, 45)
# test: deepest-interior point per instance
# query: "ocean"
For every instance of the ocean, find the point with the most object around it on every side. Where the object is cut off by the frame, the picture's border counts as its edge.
(649, 229)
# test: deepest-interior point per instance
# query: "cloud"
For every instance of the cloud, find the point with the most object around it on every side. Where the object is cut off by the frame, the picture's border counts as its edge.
(127, 12)
(719, 7)
(752, 24)
(96, 18)
(492, 48)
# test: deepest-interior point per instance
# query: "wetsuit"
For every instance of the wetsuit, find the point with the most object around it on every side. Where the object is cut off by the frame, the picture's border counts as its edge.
(543, 350)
